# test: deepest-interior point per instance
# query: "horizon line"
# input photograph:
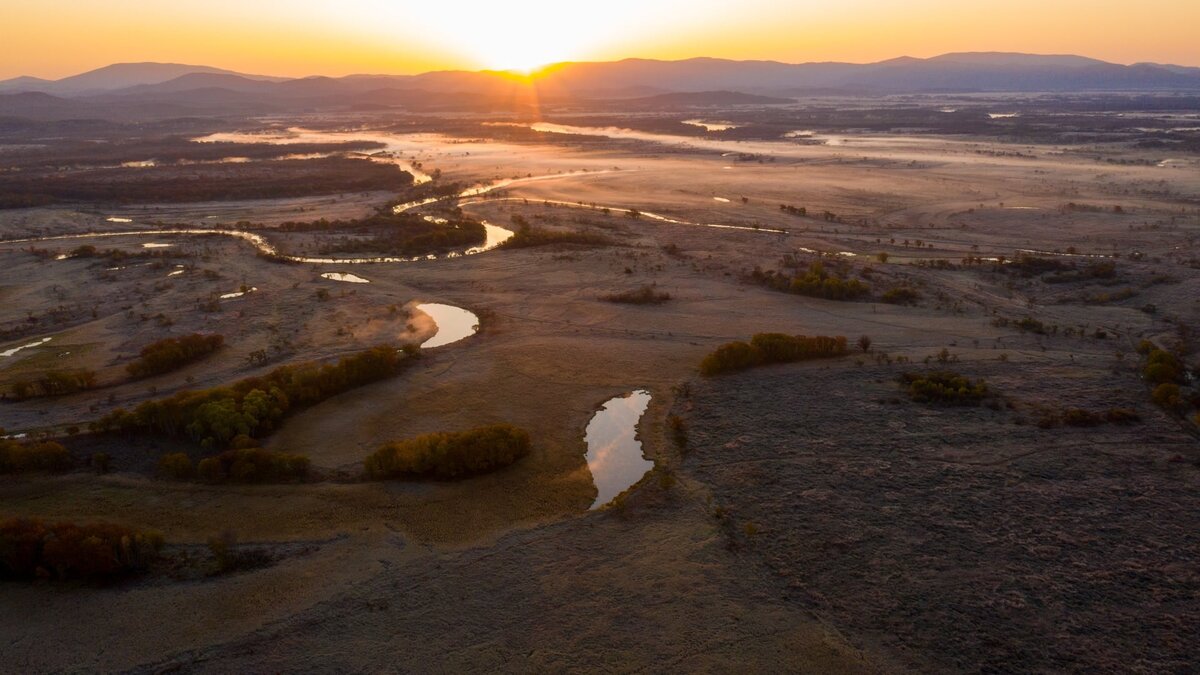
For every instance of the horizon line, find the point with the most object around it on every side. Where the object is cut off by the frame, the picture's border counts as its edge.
(547, 66)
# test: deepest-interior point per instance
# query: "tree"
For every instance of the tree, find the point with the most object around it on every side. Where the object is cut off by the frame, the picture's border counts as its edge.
(864, 343)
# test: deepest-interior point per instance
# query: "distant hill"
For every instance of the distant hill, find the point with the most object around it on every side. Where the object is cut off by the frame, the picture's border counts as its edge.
(116, 76)
(150, 90)
(707, 98)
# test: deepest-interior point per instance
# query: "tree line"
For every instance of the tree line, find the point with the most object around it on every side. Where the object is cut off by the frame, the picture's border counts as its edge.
(254, 406)
(768, 348)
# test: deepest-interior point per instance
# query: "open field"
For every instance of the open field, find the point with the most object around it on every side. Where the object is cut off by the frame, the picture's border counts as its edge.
(819, 517)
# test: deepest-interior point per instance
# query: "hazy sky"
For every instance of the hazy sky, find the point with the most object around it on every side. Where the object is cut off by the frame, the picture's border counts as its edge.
(53, 38)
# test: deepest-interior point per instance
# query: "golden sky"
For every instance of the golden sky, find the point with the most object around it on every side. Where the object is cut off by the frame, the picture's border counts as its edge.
(55, 38)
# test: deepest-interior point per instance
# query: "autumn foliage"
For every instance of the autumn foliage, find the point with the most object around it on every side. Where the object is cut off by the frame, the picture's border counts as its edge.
(768, 348)
(31, 549)
(254, 406)
(450, 455)
(173, 353)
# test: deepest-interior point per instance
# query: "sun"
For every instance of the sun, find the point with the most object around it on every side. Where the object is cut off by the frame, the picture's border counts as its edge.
(519, 36)
(521, 45)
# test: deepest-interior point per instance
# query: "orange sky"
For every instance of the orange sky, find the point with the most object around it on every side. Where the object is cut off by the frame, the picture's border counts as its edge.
(54, 38)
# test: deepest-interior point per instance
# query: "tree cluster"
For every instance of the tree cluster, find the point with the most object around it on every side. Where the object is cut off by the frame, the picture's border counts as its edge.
(816, 281)
(34, 549)
(54, 383)
(254, 406)
(767, 348)
(944, 387)
(645, 295)
(33, 456)
(445, 456)
(238, 465)
(173, 353)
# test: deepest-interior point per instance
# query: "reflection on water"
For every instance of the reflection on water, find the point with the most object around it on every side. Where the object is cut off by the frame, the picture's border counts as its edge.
(238, 294)
(711, 126)
(14, 350)
(346, 277)
(394, 145)
(115, 219)
(614, 454)
(453, 324)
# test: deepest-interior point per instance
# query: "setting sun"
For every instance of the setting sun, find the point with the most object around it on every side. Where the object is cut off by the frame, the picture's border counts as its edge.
(524, 35)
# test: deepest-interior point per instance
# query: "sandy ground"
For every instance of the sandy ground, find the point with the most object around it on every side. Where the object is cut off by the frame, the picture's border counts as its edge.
(887, 537)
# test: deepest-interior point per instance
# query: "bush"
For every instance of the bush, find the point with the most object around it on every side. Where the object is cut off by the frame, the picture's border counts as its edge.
(944, 387)
(901, 295)
(1077, 417)
(253, 406)
(646, 295)
(1162, 367)
(173, 353)
(528, 238)
(1122, 416)
(47, 456)
(730, 357)
(253, 465)
(767, 348)
(816, 282)
(55, 383)
(32, 549)
(450, 455)
(177, 466)
(1167, 397)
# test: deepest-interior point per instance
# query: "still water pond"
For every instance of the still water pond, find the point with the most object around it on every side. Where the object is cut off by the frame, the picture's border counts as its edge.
(614, 453)
(453, 324)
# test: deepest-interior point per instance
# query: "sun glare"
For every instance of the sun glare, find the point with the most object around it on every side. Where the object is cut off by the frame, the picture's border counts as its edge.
(522, 36)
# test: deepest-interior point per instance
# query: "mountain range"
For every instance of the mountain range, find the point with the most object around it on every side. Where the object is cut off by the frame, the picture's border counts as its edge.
(158, 89)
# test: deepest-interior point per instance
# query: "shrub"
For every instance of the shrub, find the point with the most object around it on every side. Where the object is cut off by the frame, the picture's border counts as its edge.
(730, 357)
(34, 549)
(767, 348)
(1162, 367)
(944, 387)
(47, 456)
(176, 465)
(1167, 397)
(450, 455)
(173, 353)
(901, 295)
(1077, 417)
(646, 295)
(817, 282)
(528, 238)
(253, 465)
(1122, 416)
(55, 383)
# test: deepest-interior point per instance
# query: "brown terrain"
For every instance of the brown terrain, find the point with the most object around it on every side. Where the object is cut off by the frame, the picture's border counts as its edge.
(817, 519)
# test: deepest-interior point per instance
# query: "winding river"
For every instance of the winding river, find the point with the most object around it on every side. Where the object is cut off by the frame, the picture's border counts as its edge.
(394, 146)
